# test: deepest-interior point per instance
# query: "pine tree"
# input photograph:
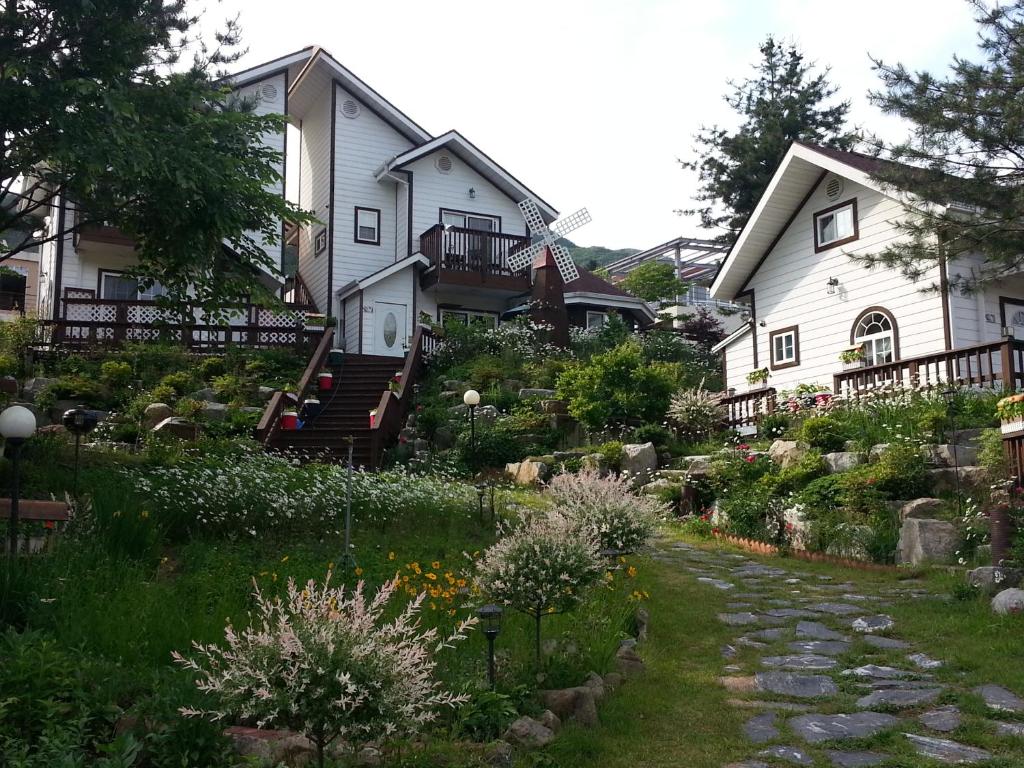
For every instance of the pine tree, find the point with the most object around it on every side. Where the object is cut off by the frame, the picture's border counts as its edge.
(961, 171)
(786, 101)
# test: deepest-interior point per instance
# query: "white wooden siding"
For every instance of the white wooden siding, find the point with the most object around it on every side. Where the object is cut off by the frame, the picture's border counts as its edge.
(352, 309)
(314, 194)
(402, 222)
(396, 289)
(739, 362)
(790, 289)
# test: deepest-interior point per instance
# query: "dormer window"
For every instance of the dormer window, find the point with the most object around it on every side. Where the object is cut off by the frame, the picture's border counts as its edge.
(836, 225)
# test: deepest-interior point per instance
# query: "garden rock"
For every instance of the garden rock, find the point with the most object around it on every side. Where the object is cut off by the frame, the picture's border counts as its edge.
(265, 393)
(950, 455)
(843, 461)
(214, 411)
(815, 728)
(855, 759)
(612, 680)
(999, 698)
(877, 450)
(527, 732)
(788, 754)
(526, 472)
(992, 578)
(595, 683)
(658, 486)
(487, 414)
(943, 719)
(155, 413)
(946, 751)
(761, 729)
(628, 662)
(271, 747)
(535, 392)
(554, 406)
(444, 438)
(500, 753)
(454, 385)
(8, 385)
(798, 686)
(944, 479)
(1009, 601)
(926, 508)
(923, 540)
(639, 459)
(595, 462)
(179, 427)
(870, 624)
(575, 704)
(34, 386)
(899, 698)
(550, 721)
(787, 453)
(206, 394)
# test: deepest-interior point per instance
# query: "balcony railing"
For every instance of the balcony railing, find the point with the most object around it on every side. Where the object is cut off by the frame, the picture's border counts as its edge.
(482, 256)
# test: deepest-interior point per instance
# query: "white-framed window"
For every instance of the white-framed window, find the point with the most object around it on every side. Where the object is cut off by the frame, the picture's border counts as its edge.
(836, 225)
(118, 286)
(785, 347)
(596, 319)
(469, 317)
(875, 334)
(367, 226)
(478, 221)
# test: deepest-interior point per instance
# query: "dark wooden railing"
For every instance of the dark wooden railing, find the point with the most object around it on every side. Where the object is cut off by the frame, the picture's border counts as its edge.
(271, 420)
(87, 322)
(299, 296)
(997, 365)
(394, 406)
(744, 409)
(471, 250)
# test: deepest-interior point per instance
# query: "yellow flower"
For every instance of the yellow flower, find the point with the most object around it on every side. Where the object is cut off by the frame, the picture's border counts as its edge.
(274, 576)
(144, 514)
(359, 571)
(264, 573)
(330, 566)
(405, 579)
(631, 571)
(432, 576)
(622, 559)
(284, 559)
(451, 612)
(433, 607)
(435, 565)
(391, 555)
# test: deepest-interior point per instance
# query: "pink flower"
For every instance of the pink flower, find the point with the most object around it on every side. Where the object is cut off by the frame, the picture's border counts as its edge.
(742, 447)
(749, 459)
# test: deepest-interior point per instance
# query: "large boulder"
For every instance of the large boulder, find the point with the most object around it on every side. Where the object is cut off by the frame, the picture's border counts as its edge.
(487, 414)
(554, 406)
(527, 472)
(444, 438)
(921, 508)
(944, 479)
(595, 462)
(155, 413)
(530, 393)
(993, 578)
(265, 393)
(948, 455)
(34, 386)
(527, 732)
(923, 540)
(877, 450)
(178, 426)
(1009, 601)
(206, 394)
(577, 704)
(639, 459)
(843, 461)
(786, 453)
(628, 661)
(212, 411)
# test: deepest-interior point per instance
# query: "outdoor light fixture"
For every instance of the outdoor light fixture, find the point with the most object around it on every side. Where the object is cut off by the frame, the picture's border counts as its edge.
(481, 489)
(79, 421)
(490, 624)
(472, 400)
(17, 424)
(831, 285)
(472, 193)
(1007, 332)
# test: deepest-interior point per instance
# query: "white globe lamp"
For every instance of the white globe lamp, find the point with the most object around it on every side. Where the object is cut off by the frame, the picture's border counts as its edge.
(472, 399)
(17, 424)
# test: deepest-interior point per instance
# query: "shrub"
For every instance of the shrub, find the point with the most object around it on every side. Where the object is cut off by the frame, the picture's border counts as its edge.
(612, 453)
(161, 393)
(795, 477)
(825, 433)
(328, 664)
(485, 372)
(992, 455)
(773, 426)
(211, 367)
(9, 365)
(188, 407)
(541, 567)
(486, 715)
(496, 445)
(607, 509)
(115, 374)
(651, 433)
(233, 389)
(900, 473)
(695, 413)
(181, 382)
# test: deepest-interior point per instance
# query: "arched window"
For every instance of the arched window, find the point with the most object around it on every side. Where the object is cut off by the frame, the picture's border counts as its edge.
(876, 333)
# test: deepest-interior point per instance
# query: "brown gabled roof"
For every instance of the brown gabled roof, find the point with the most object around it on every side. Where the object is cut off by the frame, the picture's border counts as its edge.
(860, 161)
(590, 283)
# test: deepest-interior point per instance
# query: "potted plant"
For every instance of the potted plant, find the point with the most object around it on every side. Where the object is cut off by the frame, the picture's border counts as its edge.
(1011, 413)
(315, 320)
(757, 378)
(852, 357)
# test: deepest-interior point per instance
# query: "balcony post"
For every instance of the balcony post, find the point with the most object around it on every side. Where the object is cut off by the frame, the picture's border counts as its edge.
(1007, 373)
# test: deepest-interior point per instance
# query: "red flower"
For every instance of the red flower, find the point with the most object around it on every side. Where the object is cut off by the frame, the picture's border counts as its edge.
(742, 447)
(49, 524)
(403, 439)
(749, 459)
(715, 531)
(871, 481)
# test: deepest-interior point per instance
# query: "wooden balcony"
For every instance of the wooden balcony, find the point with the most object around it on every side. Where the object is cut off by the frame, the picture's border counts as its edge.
(472, 258)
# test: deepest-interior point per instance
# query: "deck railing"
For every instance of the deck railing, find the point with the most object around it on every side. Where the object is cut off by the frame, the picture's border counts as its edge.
(271, 420)
(744, 409)
(394, 405)
(471, 250)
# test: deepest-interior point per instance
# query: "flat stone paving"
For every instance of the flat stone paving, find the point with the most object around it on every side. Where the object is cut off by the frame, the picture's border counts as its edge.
(831, 670)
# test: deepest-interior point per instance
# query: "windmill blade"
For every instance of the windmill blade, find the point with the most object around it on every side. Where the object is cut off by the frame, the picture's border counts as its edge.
(566, 266)
(567, 224)
(534, 220)
(520, 259)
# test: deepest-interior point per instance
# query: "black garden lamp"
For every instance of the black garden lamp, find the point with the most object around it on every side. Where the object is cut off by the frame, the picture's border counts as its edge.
(490, 624)
(17, 424)
(79, 421)
(481, 489)
(472, 400)
(949, 396)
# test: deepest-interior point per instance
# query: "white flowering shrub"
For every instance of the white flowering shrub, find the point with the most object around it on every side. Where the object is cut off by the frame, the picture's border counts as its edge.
(328, 664)
(607, 509)
(252, 493)
(540, 567)
(521, 339)
(695, 413)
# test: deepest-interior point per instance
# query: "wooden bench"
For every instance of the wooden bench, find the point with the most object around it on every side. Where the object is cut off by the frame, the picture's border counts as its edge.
(50, 513)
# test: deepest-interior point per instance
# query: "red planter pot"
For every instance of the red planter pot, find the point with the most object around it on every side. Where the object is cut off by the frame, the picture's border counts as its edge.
(289, 420)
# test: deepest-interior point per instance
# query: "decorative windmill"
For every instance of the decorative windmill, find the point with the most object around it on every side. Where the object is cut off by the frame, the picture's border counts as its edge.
(553, 268)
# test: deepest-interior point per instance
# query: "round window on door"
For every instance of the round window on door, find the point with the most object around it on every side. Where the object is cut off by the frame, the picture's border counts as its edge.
(390, 329)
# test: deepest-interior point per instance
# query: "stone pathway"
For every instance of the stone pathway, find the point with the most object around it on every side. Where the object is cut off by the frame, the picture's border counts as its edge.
(820, 668)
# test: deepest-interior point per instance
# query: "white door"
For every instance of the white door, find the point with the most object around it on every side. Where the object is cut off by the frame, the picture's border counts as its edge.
(389, 336)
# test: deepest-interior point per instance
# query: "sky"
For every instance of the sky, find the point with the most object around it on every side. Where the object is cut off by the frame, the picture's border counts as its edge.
(590, 103)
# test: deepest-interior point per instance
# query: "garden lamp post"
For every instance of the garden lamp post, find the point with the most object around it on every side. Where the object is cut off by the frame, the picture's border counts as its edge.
(79, 421)
(472, 400)
(481, 489)
(17, 424)
(348, 559)
(948, 395)
(490, 622)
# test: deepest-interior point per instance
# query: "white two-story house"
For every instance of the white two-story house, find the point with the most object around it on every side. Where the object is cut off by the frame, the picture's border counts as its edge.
(410, 226)
(810, 301)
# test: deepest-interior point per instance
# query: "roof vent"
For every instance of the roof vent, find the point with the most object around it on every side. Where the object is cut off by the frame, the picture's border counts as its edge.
(834, 188)
(268, 92)
(444, 164)
(350, 109)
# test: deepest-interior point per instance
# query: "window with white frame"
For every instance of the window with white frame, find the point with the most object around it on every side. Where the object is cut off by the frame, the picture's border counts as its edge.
(875, 334)
(469, 317)
(836, 225)
(367, 226)
(118, 286)
(596, 319)
(785, 347)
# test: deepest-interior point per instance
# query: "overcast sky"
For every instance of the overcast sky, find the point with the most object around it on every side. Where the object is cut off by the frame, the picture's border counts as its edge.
(590, 102)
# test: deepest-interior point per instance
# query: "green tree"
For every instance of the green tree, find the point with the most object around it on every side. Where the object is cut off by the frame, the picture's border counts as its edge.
(786, 101)
(962, 167)
(653, 281)
(95, 109)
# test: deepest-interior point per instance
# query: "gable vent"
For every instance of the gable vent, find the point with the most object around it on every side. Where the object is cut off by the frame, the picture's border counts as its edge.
(350, 109)
(834, 188)
(444, 164)
(268, 92)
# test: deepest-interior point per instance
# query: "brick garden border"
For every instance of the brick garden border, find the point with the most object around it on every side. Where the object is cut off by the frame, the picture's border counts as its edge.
(763, 548)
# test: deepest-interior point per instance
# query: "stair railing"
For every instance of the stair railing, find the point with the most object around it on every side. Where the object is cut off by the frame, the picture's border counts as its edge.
(270, 422)
(394, 405)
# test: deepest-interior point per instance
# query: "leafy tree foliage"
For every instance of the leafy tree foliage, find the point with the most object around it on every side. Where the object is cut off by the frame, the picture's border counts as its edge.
(785, 101)
(95, 109)
(653, 281)
(963, 164)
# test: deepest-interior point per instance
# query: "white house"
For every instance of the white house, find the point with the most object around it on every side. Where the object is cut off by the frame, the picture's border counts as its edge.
(810, 301)
(410, 226)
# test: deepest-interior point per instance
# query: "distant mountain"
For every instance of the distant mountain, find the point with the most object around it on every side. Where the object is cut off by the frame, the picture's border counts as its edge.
(595, 255)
